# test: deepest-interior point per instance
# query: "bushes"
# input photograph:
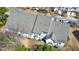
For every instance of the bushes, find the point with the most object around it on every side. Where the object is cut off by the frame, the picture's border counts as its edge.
(3, 10)
(21, 48)
(3, 38)
(40, 48)
(46, 48)
(3, 16)
(77, 17)
(68, 39)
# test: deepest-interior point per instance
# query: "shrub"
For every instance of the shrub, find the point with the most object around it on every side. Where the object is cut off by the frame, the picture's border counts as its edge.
(40, 48)
(3, 16)
(3, 38)
(46, 48)
(21, 48)
(68, 39)
(77, 17)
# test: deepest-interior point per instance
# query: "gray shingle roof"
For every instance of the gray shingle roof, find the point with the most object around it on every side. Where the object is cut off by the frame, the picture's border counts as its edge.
(25, 23)
(21, 20)
(60, 31)
(42, 24)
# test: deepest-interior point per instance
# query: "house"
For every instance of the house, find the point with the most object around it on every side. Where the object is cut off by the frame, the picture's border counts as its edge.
(23, 22)
(77, 9)
(68, 13)
(55, 9)
(73, 14)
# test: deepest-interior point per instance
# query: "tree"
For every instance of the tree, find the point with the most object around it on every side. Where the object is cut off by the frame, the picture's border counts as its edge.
(3, 16)
(46, 48)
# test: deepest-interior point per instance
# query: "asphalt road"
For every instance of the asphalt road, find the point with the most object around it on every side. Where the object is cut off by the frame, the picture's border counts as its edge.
(76, 34)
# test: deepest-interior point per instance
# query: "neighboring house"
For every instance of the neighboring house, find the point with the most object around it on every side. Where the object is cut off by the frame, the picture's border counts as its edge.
(52, 9)
(68, 14)
(77, 10)
(55, 9)
(71, 13)
(60, 12)
(67, 11)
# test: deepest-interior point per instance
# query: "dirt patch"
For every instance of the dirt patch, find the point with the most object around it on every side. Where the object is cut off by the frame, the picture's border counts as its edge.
(29, 43)
(73, 44)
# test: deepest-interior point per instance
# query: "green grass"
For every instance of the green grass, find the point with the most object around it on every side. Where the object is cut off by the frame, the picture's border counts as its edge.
(68, 39)
(3, 16)
(40, 48)
(46, 48)
(3, 10)
(21, 48)
(5, 44)
(3, 38)
(77, 17)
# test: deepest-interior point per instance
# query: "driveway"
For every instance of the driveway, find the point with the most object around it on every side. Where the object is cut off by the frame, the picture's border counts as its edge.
(76, 34)
(73, 44)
